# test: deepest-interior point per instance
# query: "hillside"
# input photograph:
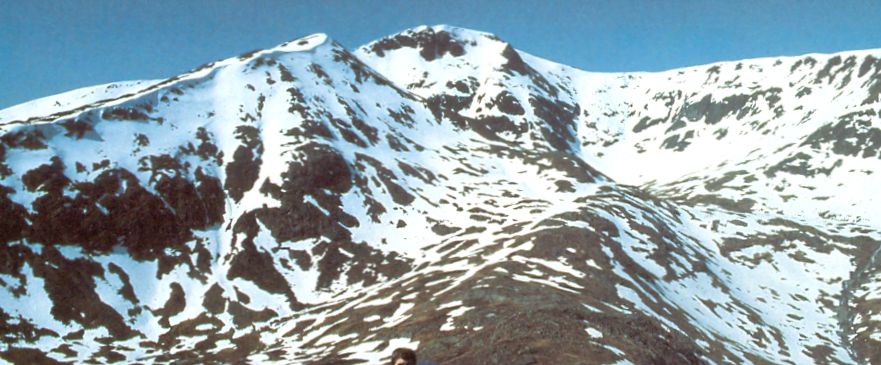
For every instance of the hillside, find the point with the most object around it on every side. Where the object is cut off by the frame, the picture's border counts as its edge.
(440, 189)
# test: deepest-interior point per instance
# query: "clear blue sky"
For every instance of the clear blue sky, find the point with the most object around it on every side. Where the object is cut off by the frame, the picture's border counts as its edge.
(48, 47)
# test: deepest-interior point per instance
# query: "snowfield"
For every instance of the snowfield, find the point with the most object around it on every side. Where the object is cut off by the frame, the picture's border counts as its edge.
(441, 190)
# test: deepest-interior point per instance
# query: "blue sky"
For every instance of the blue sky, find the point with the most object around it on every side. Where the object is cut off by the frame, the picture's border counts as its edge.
(47, 47)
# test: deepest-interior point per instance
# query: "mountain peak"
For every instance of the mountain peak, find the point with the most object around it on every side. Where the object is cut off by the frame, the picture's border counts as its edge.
(433, 42)
(306, 43)
(465, 34)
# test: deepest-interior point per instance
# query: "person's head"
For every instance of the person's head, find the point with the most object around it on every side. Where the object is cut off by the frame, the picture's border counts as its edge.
(403, 356)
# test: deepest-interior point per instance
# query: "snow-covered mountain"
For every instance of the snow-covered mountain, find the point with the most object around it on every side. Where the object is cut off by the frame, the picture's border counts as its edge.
(440, 189)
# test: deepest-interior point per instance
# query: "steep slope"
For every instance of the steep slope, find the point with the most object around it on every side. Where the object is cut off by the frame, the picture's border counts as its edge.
(436, 189)
(189, 184)
(762, 114)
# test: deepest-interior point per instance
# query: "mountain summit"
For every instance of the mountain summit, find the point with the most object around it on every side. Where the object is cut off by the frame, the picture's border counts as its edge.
(441, 190)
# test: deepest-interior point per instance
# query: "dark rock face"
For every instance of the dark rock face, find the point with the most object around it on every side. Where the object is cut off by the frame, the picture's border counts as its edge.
(558, 121)
(508, 104)
(113, 209)
(213, 301)
(28, 356)
(48, 178)
(713, 112)
(77, 128)
(800, 165)
(448, 106)
(258, 267)
(514, 63)
(71, 286)
(126, 114)
(389, 180)
(432, 45)
(243, 170)
(12, 218)
(678, 142)
(853, 135)
(323, 168)
(175, 304)
(31, 139)
(133, 216)
(196, 206)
